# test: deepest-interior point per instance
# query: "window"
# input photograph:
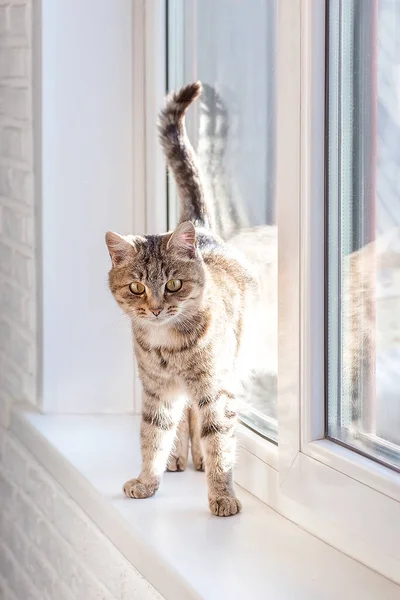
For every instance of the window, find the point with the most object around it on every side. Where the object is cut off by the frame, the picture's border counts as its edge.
(233, 129)
(303, 120)
(364, 228)
(304, 95)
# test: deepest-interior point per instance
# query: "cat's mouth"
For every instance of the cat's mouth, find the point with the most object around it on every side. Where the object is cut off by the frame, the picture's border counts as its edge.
(157, 317)
(161, 318)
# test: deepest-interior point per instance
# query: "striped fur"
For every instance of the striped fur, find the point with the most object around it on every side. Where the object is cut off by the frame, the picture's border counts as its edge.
(181, 158)
(189, 356)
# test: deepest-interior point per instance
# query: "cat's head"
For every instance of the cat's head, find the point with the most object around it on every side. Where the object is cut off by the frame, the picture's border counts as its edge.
(157, 279)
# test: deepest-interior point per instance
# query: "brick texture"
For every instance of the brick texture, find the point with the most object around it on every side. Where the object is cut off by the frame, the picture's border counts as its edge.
(49, 548)
(17, 208)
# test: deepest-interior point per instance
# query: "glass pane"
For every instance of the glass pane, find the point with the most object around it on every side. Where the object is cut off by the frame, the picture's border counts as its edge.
(364, 227)
(230, 47)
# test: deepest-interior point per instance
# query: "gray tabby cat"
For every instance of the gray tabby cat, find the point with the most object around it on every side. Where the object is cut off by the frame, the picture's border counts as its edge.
(192, 300)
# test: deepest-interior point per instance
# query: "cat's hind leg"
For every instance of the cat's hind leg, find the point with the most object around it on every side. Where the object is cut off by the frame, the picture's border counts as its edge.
(179, 456)
(197, 453)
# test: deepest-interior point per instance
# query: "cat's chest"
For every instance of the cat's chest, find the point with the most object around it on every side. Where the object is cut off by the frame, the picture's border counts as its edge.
(156, 337)
(167, 362)
(172, 363)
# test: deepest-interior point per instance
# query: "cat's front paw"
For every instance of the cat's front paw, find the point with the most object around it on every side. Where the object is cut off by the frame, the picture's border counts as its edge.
(134, 488)
(225, 506)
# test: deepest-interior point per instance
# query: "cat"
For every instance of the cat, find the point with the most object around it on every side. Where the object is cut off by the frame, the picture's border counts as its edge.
(193, 302)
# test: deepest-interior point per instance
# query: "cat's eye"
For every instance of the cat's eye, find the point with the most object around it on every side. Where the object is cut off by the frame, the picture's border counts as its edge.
(136, 288)
(174, 285)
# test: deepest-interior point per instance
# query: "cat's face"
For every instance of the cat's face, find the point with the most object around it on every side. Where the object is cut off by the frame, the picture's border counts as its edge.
(157, 279)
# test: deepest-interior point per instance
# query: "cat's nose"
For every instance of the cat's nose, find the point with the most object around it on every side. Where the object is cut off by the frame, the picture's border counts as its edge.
(156, 312)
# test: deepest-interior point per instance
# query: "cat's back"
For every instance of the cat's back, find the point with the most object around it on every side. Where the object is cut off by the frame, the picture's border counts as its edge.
(224, 261)
(234, 294)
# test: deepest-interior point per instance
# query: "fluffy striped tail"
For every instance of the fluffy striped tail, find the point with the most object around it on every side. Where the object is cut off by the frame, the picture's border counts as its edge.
(180, 156)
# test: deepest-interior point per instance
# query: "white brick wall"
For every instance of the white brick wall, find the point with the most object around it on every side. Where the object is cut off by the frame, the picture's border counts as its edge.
(17, 239)
(49, 548)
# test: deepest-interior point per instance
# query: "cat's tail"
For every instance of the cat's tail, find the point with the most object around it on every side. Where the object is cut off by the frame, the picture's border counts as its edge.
(180, 155)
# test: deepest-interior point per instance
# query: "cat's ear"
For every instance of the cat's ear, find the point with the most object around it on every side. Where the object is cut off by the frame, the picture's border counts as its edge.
(183, 239)
(120, 247)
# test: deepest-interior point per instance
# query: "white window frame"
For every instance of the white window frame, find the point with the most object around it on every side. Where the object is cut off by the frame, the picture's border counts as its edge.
(348, 500)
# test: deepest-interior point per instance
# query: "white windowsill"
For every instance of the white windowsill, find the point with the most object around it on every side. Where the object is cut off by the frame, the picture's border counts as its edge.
(172, 539)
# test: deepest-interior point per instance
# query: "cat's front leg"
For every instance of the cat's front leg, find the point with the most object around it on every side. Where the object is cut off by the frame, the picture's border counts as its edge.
(218, 424)
(161, 415)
